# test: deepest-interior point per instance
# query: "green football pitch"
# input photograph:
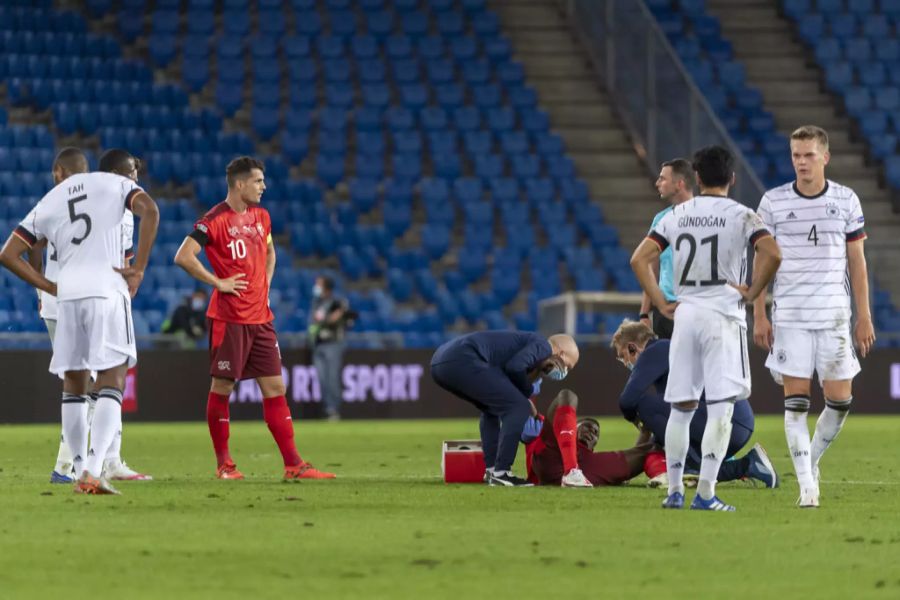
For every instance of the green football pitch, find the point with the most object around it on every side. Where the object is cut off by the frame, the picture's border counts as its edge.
(388, 527)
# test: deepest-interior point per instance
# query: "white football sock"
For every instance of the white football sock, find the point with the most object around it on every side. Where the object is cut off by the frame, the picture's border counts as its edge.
(714, 445)
(107, 421)
(63, 456)
(75, 429)
(796, 430)
(828, 427)
(678, 440)
(91, 405)
(115, 448)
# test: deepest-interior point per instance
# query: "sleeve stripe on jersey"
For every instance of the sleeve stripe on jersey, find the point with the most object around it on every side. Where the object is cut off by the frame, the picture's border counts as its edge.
(660, 241)
(131, 196)
(25, 235)
(855, 236)
(758, 235)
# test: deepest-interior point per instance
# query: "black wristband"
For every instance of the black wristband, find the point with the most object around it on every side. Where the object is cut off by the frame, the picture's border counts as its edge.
(643, 316)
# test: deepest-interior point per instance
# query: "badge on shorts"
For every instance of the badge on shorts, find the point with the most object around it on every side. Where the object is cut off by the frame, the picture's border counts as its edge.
(782, 356)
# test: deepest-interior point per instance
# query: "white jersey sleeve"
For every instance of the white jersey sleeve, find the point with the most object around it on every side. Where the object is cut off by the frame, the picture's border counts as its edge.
(856, 221)
(128, 234)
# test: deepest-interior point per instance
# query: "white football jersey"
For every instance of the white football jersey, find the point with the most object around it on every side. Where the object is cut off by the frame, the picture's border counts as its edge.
(812, 288)
(82, 219)
(51, 265)
(709, 236)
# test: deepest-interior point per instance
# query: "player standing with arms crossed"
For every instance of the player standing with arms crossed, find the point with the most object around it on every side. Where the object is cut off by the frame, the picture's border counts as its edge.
(237, 236)
(82, 219)
(709, 235)
(820, 226)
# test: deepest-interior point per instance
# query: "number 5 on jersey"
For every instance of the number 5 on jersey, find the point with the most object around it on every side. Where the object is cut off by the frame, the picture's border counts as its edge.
(238, 249)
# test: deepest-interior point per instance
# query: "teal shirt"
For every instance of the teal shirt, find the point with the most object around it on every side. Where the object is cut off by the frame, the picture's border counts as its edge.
(666, 272)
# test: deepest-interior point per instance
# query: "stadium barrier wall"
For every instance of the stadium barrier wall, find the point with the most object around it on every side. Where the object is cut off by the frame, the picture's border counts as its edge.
(393, 384)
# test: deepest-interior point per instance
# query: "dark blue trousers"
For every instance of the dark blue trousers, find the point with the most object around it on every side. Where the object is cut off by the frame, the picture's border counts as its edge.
(504, 409)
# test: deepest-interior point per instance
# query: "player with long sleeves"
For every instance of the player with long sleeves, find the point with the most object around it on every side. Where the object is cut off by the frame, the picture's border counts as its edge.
(709, 235)
(642, 403)
(81, 218)
(820, 225)
(496, 371)
(237, 237)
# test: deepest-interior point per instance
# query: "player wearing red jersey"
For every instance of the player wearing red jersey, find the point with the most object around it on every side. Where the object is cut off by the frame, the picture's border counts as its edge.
(237, 237)
(568, 443)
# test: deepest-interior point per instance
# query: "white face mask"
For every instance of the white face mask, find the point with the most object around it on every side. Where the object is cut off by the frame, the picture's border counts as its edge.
(197, 303)
(317, 291)
(558, 373)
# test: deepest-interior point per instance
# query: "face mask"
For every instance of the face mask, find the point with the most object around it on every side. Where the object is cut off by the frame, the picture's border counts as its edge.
(197, 304)
(629, 366)
(317, 291)
(558, 373)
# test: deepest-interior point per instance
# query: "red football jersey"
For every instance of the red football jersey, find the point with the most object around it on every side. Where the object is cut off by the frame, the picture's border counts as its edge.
(237, 243)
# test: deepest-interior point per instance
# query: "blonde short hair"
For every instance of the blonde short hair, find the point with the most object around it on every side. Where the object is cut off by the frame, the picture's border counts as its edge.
(811, 132)
(631, 332)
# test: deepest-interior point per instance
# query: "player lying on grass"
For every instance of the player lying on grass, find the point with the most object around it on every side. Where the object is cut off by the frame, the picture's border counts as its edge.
(642, 403)
(560, 450)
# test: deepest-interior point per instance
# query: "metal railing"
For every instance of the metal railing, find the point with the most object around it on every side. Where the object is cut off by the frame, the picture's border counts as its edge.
(664, 111)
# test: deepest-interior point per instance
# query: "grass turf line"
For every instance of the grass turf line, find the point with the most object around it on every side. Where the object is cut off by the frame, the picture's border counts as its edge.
(389, 528)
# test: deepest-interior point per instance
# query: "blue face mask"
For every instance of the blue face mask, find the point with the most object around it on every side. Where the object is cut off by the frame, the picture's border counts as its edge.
(558, 373)
(629, 366)
(317, 291)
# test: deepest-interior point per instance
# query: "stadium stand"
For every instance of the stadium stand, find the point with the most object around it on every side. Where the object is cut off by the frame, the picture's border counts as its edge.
(404, 150)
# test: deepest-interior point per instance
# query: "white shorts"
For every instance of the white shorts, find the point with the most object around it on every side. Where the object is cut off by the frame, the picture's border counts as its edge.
(93, 334)
(708, 353)
(799, 352)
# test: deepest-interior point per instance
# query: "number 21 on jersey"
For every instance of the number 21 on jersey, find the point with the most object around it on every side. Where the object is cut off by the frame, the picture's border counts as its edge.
(238, 249)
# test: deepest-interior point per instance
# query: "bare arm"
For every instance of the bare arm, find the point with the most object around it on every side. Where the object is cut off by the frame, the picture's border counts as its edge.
(10, 257)
(36, 255)
(762, 327)
(765, 265)
(643, 256)
(864, 332)
(646, 305)
(186, 258)
(270, 262)
(143, 206)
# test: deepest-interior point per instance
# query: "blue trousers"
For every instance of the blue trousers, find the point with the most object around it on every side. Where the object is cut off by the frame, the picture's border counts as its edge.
(504, 409)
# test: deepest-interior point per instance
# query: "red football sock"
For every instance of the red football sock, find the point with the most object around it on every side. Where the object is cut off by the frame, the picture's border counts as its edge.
(278, 418)
(564, 428)
(655, 464)
(217, 418)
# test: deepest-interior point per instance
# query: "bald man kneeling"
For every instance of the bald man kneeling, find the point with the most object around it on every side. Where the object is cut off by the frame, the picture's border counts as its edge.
(496, 371)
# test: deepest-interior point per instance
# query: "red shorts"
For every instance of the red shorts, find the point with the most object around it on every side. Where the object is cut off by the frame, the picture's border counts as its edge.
(600, 468)
(238, 351)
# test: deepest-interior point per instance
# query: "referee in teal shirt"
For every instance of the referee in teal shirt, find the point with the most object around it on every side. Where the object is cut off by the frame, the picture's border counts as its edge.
(675, 185)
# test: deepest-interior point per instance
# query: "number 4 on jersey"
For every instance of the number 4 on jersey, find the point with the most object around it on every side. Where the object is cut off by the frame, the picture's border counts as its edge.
(813, 236)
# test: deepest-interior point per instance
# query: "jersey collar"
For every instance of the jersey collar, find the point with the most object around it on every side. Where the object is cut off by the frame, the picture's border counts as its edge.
(802, 195)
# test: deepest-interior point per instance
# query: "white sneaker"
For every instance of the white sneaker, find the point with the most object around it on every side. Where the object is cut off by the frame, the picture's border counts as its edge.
(661, 480)
(809, 498)
(575, 478)
(117, 469)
